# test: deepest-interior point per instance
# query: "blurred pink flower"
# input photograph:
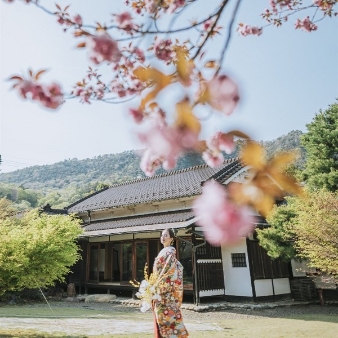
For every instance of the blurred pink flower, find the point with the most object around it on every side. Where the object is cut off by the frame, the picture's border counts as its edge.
(324, 5)
(223, 94)
(124, 21)
(50, 96)
(163, 51)
(103, 48)
(306, 24)
(249, 30)
(221, 141)
(213, 159)
(139, 54)
(149, 163)
(77, 19)
(223, 221)
(166, 143)
(174, 4)
(136, 114)
(150, 5)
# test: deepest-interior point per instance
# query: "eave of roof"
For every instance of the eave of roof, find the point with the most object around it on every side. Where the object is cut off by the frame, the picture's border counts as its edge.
(149, 223)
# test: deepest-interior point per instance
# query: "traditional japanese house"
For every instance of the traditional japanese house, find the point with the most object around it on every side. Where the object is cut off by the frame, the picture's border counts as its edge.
(122, 225)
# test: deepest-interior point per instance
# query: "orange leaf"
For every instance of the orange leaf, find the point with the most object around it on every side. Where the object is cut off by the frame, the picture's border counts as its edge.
(185, 118)
(184, 67)
(152, 76)
(153, 105)
(16, 78)
(253, 154)
(81, 45)
(39, 73)
(239, 134)
(281, 161)
(210, 64)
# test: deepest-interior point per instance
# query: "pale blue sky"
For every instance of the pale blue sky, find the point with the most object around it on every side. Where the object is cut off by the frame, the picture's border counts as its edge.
(285, 76)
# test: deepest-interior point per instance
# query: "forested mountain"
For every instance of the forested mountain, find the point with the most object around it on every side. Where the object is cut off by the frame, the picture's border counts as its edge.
(65, 182)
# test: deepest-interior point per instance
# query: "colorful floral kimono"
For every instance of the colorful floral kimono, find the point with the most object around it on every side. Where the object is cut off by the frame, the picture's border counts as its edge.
(169, 273)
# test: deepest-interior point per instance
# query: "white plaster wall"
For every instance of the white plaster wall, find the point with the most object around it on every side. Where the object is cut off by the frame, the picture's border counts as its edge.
(282, 286)
(264, 287)
(236, 280)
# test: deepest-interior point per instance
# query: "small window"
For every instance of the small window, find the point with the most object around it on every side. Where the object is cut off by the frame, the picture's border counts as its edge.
(238, 260)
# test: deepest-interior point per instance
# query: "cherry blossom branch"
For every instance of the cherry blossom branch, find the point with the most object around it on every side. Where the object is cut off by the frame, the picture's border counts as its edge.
(218, 15)
(227, 42)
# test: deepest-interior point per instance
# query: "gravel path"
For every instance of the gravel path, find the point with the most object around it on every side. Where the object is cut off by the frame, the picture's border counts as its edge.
(130, 320)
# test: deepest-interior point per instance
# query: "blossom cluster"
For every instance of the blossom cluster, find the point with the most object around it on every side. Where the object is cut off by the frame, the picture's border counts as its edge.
(48, 95)
(223, 221)
(306, 24)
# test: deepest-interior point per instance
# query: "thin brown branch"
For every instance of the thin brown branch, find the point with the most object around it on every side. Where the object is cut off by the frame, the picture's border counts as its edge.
(218, 15)
(227, 42)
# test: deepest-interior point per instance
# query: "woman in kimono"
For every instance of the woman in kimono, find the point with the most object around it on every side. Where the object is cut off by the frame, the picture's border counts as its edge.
(169, 272)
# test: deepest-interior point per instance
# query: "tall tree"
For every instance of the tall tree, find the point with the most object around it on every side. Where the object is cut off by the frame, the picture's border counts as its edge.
(321, 143)
(36, 250)
(278, 239)
(307, 228)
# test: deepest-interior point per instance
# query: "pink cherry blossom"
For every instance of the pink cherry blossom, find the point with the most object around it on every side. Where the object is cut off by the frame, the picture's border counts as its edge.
(103, 48)
(324, 5)
(163, 50)
(175, 4)
(53, 96)
(306, 24)
(162, 142)
(166, 143)
(124, 21)
(137, 115)
(221, 141)
(215, 145)
(222, 220)
(139, 54)
(149, 163)
(213, 159)
(281, 4)
(77, 20)
(50, 96)
(223, 94)
(150, 5)
(249, 30)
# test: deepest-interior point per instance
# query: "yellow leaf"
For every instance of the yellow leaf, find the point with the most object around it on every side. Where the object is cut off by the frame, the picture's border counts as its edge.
(253, 154)
(239, 134)
(264, 205)
(203, 93)
(210, 64)
(152, 76)
(281, 161)
(184, 67)
(185, 118)
(39, 73)
(81, 45)
(19, 78)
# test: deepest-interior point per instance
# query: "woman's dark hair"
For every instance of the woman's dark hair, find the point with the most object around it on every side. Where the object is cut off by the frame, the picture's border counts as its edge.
(171, 232)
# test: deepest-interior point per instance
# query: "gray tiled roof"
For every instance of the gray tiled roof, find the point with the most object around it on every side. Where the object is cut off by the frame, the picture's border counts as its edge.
(123, 222)
(171, 185)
